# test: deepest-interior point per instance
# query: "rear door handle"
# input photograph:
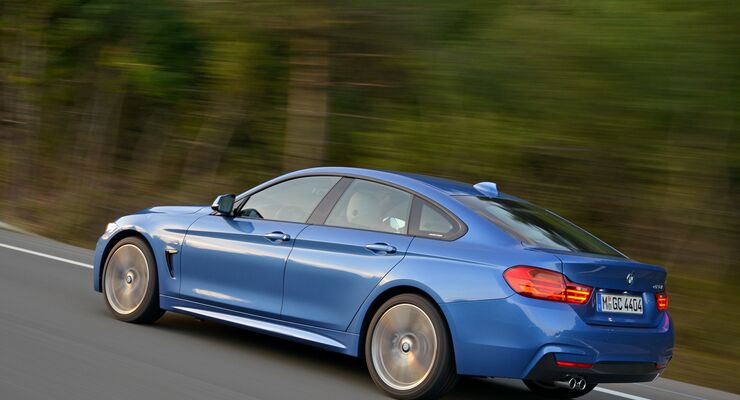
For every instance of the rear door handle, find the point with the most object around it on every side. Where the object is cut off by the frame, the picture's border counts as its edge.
(277, 237)
(381, 248)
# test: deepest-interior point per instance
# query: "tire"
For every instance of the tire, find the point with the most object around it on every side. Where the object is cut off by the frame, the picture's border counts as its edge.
(130, 284)
(393, 343)
(548, 389)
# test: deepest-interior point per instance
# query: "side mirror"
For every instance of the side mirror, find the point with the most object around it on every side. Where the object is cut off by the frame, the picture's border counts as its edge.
(224, 204)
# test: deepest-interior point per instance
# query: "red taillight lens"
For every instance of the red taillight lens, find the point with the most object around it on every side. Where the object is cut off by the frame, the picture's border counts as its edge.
(544, 284)
(536, 282)
(573, 364)
(577, 294)
(661, 299)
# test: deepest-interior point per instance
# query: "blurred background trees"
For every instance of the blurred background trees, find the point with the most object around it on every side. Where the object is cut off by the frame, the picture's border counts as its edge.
(620, 115)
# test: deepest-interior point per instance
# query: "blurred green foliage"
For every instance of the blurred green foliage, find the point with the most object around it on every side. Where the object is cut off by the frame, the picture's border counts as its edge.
(620, 115)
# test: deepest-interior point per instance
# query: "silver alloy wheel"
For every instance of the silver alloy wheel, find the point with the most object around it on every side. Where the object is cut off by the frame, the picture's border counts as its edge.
(126, 279)
(404, 346)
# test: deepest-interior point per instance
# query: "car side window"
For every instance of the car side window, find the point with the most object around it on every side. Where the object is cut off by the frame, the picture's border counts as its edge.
(291, 201)
(372, 206)
(433, 222)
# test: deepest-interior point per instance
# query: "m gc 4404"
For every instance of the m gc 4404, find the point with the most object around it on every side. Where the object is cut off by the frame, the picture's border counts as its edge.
(426, 279)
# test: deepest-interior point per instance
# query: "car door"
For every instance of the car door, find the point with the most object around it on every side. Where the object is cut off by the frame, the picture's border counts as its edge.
(335, 265)
(238, 262)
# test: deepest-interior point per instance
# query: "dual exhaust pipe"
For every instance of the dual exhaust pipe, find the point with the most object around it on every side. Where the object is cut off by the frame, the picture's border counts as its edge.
(573, 383)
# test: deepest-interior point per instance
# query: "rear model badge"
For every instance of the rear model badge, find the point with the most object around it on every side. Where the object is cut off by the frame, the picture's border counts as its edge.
(630, 278)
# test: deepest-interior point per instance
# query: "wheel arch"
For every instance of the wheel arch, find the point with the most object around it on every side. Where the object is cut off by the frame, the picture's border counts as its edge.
(386, 295)
(115, 239)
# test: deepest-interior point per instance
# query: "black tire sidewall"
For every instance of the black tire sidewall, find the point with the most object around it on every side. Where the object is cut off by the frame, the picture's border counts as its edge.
(440, 378)
(150, 305)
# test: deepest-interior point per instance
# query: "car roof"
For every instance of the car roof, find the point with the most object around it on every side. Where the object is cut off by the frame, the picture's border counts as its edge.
(412, 181)
(448, 186)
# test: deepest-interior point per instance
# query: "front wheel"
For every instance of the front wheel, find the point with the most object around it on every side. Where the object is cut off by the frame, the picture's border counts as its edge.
(130, 282)
(408, 350)
(554, 391)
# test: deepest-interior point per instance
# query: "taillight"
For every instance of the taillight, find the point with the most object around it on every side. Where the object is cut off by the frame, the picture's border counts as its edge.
(661, 300)
(576, 293)
(544, 284)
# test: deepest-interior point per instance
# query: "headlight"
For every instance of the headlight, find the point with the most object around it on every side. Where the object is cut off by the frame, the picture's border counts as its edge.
(110, 227)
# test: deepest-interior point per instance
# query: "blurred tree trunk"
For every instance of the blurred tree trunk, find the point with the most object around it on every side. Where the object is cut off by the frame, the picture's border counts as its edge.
(27, 67)
(150, 149)
(207, 151)
(101, 119)
(305, 132)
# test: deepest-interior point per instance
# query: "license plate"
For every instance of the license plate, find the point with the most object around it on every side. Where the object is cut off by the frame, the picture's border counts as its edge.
(617, 303)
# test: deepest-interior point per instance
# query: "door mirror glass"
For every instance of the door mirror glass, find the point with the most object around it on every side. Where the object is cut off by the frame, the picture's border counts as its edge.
(224, 204)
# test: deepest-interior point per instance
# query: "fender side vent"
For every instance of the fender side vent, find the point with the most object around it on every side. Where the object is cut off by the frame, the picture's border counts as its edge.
(169, 254)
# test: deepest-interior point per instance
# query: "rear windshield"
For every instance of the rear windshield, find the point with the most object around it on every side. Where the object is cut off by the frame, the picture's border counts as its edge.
(536, 226)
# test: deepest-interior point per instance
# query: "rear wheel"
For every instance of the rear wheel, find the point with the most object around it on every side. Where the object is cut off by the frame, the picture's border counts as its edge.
(553, 391)
(130, 282)
(408, 350)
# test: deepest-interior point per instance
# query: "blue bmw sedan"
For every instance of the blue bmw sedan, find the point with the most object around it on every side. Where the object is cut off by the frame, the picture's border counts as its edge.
(426, 279)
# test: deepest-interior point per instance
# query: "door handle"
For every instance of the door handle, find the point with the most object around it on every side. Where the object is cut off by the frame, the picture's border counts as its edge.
(277, 237)
(381, 248)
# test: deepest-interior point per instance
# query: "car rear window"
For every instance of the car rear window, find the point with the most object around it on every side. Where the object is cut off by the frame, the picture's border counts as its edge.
(537, 226)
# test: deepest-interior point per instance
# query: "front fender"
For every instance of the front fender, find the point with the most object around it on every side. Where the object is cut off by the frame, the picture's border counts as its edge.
(160, 231)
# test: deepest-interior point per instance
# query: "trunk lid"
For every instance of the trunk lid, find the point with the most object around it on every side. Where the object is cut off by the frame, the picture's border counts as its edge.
(609, 277)
(613, 273)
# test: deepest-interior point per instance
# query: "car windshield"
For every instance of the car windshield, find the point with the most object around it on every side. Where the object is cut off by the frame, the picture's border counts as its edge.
(537, 226)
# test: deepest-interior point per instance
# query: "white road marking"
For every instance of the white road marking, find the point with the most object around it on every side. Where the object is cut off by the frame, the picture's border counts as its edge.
(619, 394)
(670, 391)
(49, 256)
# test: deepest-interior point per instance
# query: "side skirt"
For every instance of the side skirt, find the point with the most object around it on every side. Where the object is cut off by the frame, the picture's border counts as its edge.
(337, 341)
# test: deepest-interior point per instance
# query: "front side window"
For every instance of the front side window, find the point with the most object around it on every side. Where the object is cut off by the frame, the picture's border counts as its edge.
(537, 226)
(290, 201)
(372, 206)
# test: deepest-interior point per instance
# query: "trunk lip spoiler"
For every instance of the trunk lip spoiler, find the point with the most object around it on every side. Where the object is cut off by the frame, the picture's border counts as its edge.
(557, 253)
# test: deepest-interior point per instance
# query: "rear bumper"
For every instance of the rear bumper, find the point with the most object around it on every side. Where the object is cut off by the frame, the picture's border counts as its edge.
(519, 337)
(603, 372)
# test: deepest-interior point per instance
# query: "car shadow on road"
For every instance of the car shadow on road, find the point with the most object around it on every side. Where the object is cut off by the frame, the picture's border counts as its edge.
(349, 369)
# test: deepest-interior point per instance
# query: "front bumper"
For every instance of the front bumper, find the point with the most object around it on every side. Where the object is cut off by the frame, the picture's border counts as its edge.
(517, 337)
(98, 261)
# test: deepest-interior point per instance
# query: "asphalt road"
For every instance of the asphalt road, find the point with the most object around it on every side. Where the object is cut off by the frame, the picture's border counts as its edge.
(57, 341)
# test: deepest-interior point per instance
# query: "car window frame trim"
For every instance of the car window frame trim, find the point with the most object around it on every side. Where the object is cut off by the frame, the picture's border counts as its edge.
(460, 232)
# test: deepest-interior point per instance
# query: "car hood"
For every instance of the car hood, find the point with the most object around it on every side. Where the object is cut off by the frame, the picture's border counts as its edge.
(174, 210)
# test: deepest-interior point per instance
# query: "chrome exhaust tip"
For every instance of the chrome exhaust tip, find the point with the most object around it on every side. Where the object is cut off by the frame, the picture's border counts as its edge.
(573, 383)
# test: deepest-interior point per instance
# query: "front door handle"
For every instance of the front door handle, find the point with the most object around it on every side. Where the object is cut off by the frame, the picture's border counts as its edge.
(381, 248)
(277, 237)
